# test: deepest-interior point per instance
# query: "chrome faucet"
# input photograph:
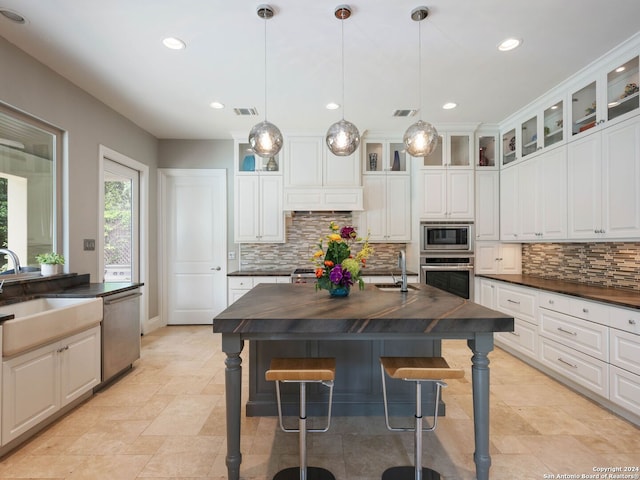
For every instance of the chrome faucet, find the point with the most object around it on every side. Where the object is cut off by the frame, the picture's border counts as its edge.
(402, 263)
(14, 259)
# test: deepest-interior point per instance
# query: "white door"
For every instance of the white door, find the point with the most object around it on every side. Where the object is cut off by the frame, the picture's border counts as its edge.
(193, 229)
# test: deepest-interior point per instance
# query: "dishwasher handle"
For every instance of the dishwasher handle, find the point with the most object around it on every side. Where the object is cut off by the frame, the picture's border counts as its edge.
(108, 301)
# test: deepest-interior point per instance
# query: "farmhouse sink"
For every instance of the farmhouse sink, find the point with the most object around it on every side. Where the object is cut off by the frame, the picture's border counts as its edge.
(43, 320)
(392, 287)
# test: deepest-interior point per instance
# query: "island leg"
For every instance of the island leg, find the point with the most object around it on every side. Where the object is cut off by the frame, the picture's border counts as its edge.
(481, 345)
(232, 346)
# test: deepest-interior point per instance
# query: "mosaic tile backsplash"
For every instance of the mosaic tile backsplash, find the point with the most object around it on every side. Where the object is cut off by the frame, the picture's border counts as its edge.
(610, 264)
(304, 230)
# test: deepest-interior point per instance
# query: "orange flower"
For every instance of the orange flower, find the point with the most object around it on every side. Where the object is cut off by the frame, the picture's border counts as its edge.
(319, 272)
(328, 263)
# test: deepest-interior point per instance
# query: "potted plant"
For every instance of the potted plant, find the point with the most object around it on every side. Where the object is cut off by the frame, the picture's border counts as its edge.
(50, 263)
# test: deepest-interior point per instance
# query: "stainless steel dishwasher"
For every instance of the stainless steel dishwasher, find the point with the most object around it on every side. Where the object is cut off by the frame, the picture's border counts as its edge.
(120, 332)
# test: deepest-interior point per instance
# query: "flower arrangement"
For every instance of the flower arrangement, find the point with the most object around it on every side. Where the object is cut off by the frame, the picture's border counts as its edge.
(337, 268)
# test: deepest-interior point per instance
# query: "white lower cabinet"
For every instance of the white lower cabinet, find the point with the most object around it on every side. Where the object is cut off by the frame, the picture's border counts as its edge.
(238, 286)
(524, 338)
(37, 384)
(624, 389)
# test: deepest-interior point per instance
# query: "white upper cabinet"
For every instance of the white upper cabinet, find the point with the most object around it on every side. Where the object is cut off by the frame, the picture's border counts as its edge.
(387, 208)
(604, 180)
(487, 209)
(248, 163)
(259, 216)
(382, 155)
(447, 194)
(454, 150)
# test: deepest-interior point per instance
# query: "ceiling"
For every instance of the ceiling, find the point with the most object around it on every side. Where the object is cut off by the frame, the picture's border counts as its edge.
(113, 50)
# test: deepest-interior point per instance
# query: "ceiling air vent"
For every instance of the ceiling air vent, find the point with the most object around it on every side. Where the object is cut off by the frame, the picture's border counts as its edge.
(405, 113)
(251, 112)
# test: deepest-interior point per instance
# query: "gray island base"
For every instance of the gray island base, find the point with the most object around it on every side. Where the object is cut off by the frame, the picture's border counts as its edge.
(290, 312)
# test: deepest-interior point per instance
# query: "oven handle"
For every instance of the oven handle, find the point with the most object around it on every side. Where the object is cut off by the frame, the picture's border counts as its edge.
(447, 268)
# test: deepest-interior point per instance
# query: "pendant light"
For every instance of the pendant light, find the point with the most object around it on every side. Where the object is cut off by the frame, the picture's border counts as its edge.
(265, 139)
(421, 138)
(343, 137)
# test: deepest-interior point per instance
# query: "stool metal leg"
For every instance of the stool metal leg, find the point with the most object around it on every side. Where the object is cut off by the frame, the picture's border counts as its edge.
(302, 438)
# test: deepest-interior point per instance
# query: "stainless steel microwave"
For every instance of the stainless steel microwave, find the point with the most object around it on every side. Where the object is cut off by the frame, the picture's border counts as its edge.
(445, 237)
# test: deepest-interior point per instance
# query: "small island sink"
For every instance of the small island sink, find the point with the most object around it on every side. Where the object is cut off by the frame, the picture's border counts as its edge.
(392, 287)
(43, 320)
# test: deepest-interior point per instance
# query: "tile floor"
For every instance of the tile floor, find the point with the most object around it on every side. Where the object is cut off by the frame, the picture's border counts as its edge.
(165, 419)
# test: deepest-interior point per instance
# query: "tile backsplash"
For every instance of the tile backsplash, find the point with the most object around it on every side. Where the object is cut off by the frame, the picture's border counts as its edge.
(304, 230)
(610, 264)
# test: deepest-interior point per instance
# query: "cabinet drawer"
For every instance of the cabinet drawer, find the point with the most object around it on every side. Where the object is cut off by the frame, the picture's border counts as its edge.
(595, 312)
(625, 319)
(624, 389)
(524, 338)
(265, 279)
(585, 336)
(581, 369)
(518, 302)
(625, 350)
(555, 302)
(241, 282)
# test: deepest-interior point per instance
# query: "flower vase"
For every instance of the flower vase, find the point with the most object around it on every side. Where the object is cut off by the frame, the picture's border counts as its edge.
(339, 292)
(396, 162)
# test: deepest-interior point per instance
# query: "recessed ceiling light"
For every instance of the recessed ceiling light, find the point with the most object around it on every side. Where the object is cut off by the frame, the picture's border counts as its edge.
(216, 105)
(509, 44)
(332, 106)
(449, 105)
(13, 16)
(620, 69)
(174, 43)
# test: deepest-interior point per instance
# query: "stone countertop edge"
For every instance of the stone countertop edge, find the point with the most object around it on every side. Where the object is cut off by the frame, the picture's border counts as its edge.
(614, 296)
(89, 290)
(372, 272)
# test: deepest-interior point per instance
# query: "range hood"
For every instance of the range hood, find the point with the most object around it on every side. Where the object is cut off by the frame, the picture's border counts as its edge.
(323, 199)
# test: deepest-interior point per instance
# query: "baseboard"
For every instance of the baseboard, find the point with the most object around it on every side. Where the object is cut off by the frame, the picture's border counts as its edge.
(152, 324)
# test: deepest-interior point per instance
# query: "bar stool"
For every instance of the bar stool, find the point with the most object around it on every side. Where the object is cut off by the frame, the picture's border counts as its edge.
(418, 370)
(303, 371)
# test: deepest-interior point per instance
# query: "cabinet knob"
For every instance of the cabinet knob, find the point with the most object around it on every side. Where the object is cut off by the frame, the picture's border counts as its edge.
(585, 310)
(551, 302)
(216, 268)
(632, 321)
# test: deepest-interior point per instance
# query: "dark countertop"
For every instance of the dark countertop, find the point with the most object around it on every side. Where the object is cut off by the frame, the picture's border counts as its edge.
(276, 308)
(377, 271)
(94, 290)
(615, 296)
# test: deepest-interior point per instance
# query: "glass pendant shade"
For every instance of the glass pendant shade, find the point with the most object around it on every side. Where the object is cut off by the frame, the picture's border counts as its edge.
(343, 138)
(265, 139)
(421, 139)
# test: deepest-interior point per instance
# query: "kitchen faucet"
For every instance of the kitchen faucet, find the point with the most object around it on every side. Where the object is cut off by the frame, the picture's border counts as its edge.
(14, 259)
(402, 263)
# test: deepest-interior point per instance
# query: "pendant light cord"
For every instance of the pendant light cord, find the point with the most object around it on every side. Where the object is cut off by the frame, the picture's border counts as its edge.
(342, 48)
(265, 68)
(420, 66)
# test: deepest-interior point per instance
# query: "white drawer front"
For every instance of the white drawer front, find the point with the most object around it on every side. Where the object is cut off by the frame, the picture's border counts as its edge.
(625, 319)
(555, 301)
(595, 312)
(582, 369)
(518, 302)
(524, 338)
(241, 282)
(585, 336)
(625, 350)
(269, 279)
(624, 389)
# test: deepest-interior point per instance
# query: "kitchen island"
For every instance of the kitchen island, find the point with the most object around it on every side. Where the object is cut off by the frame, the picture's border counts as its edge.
(274, 312)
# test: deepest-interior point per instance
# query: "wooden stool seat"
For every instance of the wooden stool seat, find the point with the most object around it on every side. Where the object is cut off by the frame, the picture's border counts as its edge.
(419, 368)
(301, 369)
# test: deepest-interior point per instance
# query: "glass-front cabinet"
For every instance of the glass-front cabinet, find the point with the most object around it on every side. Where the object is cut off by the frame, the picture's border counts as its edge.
(622, 89)
(248, 162)
(383, 155)
(486, 150)
(553, 128)
(584, 109)
(453, 150)
(529, 136)
(509, 147)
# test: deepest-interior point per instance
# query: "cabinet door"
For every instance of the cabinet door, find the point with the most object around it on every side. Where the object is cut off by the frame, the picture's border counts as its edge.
(528, 201)
(434, 194)
(487, 225)
(375, 211)
(584, 167)
(621, 174)
(270, 208)
(460, 198)
(487, 258)
(304, 161)
(552, 193)
(510, 259)
(341, 171)
(30, 390)
(398, 211)
(487, 294)
(509, 204)
(246, 224)
(80, 366)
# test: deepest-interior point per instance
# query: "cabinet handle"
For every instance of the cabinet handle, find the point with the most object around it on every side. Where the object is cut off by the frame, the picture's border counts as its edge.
(512, 301)
(567, 363)
(551, 302)
(567, 331)
(60, 350)
(632, 321)
(216, 268)
(585, 310)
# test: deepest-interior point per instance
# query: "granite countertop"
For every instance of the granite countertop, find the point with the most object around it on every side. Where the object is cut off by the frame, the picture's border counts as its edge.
(615, 296)
(274, 308)
(375, 271)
